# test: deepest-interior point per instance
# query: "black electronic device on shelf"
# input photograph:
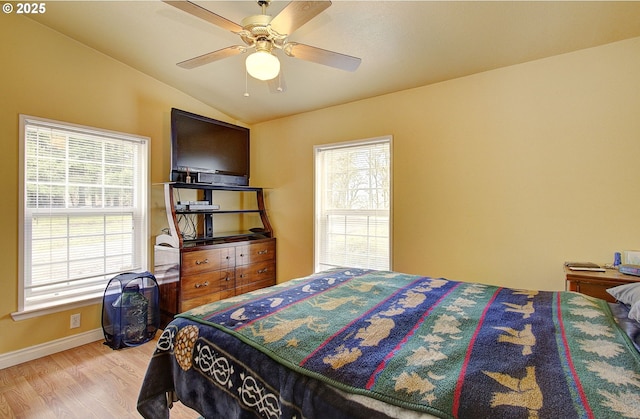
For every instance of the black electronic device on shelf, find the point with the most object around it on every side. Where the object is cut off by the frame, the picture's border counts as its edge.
(208, 151)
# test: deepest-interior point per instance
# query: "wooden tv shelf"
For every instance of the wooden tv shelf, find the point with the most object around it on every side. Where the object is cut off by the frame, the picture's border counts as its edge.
(209, 265)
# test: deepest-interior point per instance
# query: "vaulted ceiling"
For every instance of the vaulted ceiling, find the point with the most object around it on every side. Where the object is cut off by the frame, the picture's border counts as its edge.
(402, 44)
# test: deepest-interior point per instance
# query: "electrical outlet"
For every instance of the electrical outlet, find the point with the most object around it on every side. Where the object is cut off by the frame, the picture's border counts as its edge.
(75, 321)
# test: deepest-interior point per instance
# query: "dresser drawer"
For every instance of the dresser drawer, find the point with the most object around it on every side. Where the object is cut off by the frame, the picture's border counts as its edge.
(192, 286)
(255, 286)
(204, 299)
(207, 260)
(256, 252)
(255, 272)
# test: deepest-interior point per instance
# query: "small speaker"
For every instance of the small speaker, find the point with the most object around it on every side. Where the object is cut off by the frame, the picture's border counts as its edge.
(209, 178)
(218, 179)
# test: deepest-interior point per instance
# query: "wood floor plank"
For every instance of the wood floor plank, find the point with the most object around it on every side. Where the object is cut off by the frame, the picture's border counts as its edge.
(5, 410)
(25, 402)
(89, 382)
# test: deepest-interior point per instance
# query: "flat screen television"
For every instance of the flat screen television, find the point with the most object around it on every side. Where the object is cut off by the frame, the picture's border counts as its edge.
(205, 150)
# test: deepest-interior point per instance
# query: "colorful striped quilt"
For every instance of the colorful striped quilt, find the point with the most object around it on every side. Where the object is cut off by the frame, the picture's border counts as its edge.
(451, 349)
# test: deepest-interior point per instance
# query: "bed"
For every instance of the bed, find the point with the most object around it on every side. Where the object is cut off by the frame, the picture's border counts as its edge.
(354, 343)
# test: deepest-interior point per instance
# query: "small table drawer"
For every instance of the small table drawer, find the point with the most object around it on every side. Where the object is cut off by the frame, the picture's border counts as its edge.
(594, 289)
(256, 252)
(255, 272)
(207, 260)
(192, 286)
(596, 284)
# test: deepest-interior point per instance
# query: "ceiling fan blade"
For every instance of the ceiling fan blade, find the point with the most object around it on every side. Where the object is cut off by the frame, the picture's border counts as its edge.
(322, 56)
(296, 14)
(202, 13)
(212, 56)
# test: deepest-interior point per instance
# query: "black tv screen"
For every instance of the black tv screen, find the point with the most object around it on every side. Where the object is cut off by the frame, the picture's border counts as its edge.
(207, 150)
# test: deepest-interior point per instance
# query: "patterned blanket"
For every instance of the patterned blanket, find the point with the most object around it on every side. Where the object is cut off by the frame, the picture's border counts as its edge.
(451, 349)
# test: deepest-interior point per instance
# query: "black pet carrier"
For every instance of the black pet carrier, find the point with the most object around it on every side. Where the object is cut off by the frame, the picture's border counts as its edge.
(130, 310)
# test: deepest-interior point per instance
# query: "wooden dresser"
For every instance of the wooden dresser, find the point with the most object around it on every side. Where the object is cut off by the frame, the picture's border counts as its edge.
(191, 277)
(595, 284)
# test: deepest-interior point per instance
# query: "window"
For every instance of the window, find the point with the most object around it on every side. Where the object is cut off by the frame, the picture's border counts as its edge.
(353, 205)
(83, 198)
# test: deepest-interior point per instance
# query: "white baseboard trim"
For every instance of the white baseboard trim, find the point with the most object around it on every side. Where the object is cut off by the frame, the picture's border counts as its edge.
(38, 351)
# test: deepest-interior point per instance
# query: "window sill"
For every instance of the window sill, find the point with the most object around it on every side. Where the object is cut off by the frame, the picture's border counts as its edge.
(42, 311)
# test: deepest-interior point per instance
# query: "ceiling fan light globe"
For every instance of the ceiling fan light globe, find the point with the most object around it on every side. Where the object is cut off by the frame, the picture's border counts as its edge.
(262, 65)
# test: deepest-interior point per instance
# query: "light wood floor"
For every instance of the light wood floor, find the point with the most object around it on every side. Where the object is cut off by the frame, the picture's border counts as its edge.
(91, 381)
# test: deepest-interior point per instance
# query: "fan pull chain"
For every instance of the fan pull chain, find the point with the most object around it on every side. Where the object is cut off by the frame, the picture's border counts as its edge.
(279, 89)
(246, 83)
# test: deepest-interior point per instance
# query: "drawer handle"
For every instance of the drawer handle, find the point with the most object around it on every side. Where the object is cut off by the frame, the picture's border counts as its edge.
(202, 262)
(262, 271)
(204, 284)
(243, 275)
(263, 252)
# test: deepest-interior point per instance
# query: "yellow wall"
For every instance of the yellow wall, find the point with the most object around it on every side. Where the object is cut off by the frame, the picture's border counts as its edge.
(49, 75)
(499, 177)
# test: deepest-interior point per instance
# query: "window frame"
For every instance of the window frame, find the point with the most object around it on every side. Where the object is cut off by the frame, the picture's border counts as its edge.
(388, 139)
(138, 211)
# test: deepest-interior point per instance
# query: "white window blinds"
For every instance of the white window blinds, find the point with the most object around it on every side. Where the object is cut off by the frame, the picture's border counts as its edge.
(84, 200)
(353, 204)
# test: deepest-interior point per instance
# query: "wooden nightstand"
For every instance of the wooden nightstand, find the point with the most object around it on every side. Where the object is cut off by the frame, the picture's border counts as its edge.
(596, 283)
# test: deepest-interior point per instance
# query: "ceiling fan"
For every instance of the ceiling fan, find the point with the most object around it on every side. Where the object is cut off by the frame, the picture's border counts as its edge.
(266, 34)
